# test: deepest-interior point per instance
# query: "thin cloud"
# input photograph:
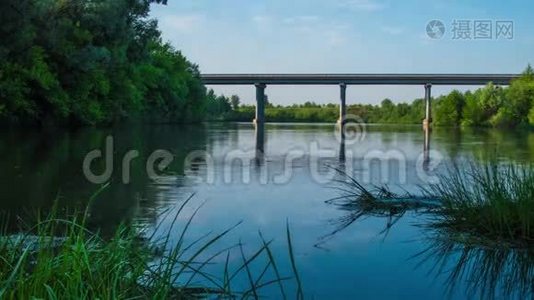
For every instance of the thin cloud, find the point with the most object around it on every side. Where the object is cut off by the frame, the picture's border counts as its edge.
(392, 30)
(363, 5)
(336, 38)
(263, 22)
(182, 23)
(260, 19)
(303, 24)
(302, 19)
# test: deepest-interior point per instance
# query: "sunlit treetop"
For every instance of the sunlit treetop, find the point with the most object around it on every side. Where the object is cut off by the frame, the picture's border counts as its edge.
(529, 72)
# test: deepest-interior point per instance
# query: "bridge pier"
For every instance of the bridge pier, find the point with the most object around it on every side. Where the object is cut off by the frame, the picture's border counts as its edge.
(342, 105)
(428, 109)
(260, 104)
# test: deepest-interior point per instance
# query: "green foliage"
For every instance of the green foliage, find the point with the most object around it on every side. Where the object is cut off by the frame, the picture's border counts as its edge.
(172, 86)
(531, 116)
(520, 96)
(501, 107)
(449, 109)
(235, 101)
(478, 218)
(492, 201)
(61, 258)
(91, 62)
(219, 107)
(504, 118)
(490, 98)
(472, 112)
(312, 112)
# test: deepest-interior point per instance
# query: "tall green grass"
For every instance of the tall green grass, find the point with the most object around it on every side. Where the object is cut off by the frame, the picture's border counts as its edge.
(492, 201)
(477, 225)
(60, 258)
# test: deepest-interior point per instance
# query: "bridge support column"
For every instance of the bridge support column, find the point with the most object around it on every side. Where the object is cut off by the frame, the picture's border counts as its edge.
(259, 122)
(428, 108)
(342, 104)
(260, 104)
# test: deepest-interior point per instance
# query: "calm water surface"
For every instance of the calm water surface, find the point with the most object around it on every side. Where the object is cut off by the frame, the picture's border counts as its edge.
(217, 163)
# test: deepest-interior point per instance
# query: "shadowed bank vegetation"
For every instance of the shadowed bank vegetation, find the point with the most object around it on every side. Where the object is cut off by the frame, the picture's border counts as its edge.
(61, 258)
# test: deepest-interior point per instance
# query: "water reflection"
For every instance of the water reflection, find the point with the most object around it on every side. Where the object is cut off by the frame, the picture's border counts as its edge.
(259, 133)
(342, 153)
(357, 203)
(376, 201)
(358, 210)
(40, 168)
(485, 271)
(426, 149)
(479, 269)
(37, 166)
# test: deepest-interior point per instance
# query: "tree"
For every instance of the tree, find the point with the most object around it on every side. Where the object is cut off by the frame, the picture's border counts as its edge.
(266, 101)
(472, 113)
(528, 73)
(91, 62)
(449, 109)
(491, 99)
(386, 104)
(234, 100)
(520, 97)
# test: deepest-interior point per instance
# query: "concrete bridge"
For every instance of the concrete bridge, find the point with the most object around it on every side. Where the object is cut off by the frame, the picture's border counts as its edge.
(426, 80)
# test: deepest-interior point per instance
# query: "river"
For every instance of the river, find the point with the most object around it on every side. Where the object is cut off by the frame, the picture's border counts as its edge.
(288, 183)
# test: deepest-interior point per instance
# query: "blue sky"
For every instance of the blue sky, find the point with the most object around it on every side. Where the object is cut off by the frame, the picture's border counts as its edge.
(343, 36)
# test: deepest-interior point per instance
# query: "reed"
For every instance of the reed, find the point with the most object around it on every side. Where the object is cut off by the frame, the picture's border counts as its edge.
(60, 258)
(494, 202)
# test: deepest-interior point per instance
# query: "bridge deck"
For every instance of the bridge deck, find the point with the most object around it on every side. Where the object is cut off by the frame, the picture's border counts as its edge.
(361, 79)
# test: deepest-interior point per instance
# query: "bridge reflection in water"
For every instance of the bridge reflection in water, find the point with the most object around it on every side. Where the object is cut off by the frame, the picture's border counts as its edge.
(259, 133)
(260, 137)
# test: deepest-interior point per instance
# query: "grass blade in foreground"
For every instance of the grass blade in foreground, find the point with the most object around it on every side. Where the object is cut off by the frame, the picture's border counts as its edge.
(63, 259)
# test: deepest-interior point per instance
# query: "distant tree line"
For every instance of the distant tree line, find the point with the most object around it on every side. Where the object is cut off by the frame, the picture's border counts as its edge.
(488, 106)
(91, 62)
